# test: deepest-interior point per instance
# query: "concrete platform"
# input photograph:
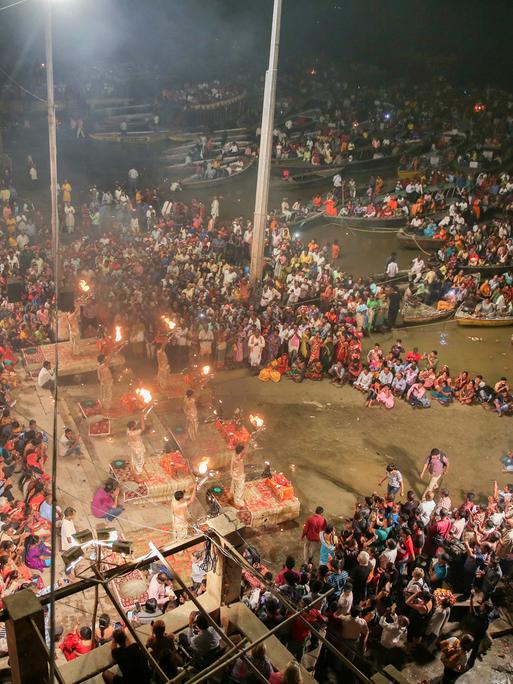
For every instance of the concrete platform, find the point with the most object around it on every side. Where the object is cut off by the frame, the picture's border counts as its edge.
(69, 364)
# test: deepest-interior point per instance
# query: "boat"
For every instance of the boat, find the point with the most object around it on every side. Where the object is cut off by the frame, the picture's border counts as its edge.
(195, 182)
(372, 223)
(309, 178)
(417, 313)
(401, 277)
(300, 223)
(191, 136)
(412, 241)
(463, 317)
(488, 270)
(131, 136)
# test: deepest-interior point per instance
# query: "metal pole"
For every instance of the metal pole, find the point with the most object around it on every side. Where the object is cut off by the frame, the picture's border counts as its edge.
(224, 637)
(52, 143)
(265, 153)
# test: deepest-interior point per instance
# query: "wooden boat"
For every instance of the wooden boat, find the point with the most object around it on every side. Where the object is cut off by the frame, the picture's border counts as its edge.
(194, 182)
(420, 314)
(309, 178)
(191, 136)
(310, 219)
(408, 174)
(488, 271)
(412, 241)
(401, 277)
(371, 223)
(136, 137)
(464, 318)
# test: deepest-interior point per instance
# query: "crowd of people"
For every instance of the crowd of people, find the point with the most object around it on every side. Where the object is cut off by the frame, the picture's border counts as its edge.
(384, 583)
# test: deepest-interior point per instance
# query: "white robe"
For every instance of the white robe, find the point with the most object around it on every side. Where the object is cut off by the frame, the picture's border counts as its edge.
(256, 347)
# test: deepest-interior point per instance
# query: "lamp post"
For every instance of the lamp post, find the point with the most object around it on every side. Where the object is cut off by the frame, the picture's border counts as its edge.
(52, 144)
(265, 153)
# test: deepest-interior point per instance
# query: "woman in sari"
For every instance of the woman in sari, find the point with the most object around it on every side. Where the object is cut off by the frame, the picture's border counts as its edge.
(77, 643)
(37, 554)
(297, 370)
(314, 344)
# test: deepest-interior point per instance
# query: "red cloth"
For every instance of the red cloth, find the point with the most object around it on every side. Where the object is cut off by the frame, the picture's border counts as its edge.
(313, 526)
(299, 631)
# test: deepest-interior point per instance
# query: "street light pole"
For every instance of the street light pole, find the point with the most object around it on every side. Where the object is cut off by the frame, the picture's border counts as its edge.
(265, 153)
(52, 144)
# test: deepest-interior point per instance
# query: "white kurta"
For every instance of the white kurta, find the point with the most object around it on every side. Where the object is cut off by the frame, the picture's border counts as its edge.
(256, 347)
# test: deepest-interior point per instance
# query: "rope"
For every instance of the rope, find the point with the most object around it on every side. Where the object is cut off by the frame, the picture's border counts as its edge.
(417, 243)
(389, 231)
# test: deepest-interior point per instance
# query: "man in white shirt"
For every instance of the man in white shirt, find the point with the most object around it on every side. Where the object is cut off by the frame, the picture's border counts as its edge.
(161, 590)
(68, 529)
(392, 268)
(46, 377)
(133, 175)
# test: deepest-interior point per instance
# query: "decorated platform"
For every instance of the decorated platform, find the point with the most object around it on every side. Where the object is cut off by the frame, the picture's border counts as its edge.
(266, 502)
(163, 475)
(69, 364)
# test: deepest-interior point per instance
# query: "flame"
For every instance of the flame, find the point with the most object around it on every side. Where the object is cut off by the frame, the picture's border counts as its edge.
(170, 324)
(205, 370)
(144, 394)
(203, 466)
(256, 421)
(118, 336)
(84, 286)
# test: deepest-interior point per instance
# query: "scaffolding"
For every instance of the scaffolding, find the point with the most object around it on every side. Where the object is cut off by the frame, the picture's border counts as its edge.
(220, 604)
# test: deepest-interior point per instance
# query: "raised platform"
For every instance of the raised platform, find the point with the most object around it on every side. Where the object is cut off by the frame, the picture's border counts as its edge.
(262, 506)
(159, 482)
(68, 364)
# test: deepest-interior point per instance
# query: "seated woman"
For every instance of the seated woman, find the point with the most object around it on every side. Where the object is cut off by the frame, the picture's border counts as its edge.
(442, 393)
(163, 648)
(460, 380)
(314, 371)
(417, 396)
(372, 396)
(428, 377)
(77, 642)
(338, 374)
(466, 393)
(297, 370)
(354, 368)
(37, 554)
(385, 397)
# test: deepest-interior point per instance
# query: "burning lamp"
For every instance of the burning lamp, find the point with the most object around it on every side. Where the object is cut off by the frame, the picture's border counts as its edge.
(256, 421)
(170, 324)
(144, 394)
(84, 287)
(205, 370)
(203, 467)
(118, 335)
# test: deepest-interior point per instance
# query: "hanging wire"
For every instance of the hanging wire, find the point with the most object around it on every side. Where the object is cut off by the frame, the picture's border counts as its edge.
(13, 4)
(29, 92)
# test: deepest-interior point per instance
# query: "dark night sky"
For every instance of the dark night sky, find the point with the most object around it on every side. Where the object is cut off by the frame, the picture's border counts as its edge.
(208, 36)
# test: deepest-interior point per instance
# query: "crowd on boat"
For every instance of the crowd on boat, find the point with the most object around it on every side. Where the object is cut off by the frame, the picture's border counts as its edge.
(204, 93)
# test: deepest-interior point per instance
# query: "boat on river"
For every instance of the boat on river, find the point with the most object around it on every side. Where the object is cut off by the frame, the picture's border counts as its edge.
(191, 136)
(488, 270)
(300, 222)
(196, 182)
(464, 317)
(413, 241)
(371, 222)
(132, 137)
(417, 313)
